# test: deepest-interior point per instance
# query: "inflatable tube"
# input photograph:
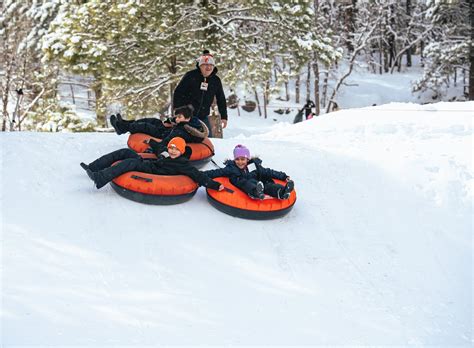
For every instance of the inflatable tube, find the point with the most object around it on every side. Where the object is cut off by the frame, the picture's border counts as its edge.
(239, 204)
(155, 189)
(202, 152)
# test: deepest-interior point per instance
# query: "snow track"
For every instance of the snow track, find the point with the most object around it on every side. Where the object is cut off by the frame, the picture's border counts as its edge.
(377, 250)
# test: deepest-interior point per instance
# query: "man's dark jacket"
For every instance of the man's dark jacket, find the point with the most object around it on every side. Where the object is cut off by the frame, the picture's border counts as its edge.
(189, 91)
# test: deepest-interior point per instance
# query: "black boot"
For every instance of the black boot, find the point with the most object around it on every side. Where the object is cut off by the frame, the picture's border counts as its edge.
(113, 122)
(285, 192)
(258, 191)
(87, 169)
(90, 173)
(122, 121)
(98, 178)
(119, 125)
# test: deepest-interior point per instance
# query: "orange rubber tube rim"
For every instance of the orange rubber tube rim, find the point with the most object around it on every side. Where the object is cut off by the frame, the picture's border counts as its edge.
(161, 185)
(240, 200)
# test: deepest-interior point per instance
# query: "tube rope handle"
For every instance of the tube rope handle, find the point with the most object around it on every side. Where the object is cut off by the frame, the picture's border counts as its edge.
(137, 177)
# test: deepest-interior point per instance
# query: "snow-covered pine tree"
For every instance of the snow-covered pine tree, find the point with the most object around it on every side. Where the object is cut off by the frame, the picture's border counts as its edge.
(134, 50)
(447, 49)
(138, 50)
(24, 78)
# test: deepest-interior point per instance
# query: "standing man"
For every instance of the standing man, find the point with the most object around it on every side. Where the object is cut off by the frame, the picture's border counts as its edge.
(199, 87)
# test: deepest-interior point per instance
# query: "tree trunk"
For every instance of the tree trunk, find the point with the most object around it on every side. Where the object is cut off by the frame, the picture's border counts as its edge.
(409, 63)
(308, 82)
(316, 85)
(422, 58)
(325, 87)
(297, 88)
(20, 93)
(173, 68)
(99, 107)
(4, 112)
(275, 70)
(391, 40)
(316, 65)
(380, 53)
(287, 92)
(5, 98)
(349, 21)
(172, 87)
(258, 103)
(266, 93)
(471, 56)
(16, 113)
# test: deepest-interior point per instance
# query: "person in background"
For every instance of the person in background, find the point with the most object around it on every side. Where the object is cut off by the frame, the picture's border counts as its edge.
(248, 175)
(198, 87)
(308, 109)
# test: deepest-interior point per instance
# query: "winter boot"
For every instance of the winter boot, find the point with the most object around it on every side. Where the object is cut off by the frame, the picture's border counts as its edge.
(119, 118)
(90, 173)
(113, 122)
(84, 166)
(258, 191)
(284, 193)
(87, 169)
(118, 124)
(98, 178)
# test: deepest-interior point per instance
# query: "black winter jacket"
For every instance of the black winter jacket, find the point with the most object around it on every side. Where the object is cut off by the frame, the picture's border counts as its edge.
(189, 91)
(181, 166)
(235, 174)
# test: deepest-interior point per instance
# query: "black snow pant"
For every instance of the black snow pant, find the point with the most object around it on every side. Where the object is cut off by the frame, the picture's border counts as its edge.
(249, 186)
(130, 161)
(151, 126)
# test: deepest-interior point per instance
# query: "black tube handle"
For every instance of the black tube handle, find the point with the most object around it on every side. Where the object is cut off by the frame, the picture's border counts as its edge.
(136, 177)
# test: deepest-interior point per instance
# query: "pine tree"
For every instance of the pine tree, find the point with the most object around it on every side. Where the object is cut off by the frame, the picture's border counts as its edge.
(137, 51)
(22, 25)
(133, 50)
(448, 46)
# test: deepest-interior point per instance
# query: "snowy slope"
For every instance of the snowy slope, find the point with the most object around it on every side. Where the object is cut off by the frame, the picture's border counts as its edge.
(377, 251)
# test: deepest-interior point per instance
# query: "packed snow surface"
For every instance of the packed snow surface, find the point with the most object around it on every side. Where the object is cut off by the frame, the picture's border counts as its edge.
(377, 250)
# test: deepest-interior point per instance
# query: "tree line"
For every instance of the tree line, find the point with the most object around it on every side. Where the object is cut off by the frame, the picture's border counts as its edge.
(135, 51)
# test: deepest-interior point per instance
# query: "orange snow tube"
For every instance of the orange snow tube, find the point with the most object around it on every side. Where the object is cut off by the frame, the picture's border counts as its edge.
(239, 204)
(155, 189)
(202, 152)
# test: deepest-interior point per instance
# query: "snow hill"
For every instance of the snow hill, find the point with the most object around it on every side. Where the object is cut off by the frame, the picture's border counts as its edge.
(377, 250)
